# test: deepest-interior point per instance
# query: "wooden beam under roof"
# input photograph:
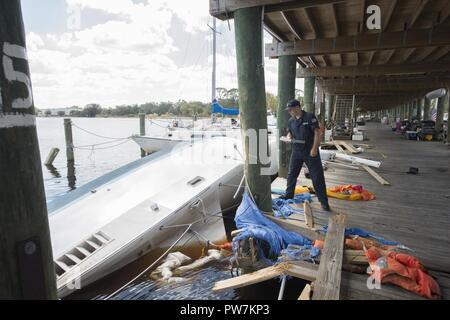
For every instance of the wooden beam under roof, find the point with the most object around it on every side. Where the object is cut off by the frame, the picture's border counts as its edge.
(362, 42)
(440, 53)
(335, 19)
(373, 70)
(444, 13)
(389, 56)
(224, 9)
(290, 23)
(274, 32)
(363, 86)
(386, 17)
(311, 22)
(362, 15)
(385, 81)
(337, 28)
(417, 12)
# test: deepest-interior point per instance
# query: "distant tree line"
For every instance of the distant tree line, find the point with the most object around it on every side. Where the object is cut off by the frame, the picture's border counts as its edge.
(182, 108)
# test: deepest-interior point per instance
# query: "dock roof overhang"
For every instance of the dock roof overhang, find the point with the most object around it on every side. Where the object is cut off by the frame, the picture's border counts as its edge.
(407, 58)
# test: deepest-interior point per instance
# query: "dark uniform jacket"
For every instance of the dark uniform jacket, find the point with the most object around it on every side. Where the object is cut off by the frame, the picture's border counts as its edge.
(303, 129)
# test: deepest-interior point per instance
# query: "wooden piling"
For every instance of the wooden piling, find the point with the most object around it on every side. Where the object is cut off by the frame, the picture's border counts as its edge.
(69, 139)
(448, 122)
(252, 99)
(419, 109)
(26, 263)
(286, 92)
(426, 109)
(142, 130)
(308, 91)
(440, 114)
(51, 156)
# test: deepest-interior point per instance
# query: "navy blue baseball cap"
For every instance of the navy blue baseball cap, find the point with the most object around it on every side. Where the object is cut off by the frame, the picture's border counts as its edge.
(292, 104)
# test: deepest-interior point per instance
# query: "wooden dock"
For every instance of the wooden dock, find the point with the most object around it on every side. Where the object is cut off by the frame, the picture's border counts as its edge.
(412, 210)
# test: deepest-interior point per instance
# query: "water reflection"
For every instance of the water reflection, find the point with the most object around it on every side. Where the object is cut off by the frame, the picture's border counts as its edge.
(71, 178)
(53, 171)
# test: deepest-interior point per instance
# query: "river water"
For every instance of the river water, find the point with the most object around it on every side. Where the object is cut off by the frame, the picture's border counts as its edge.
(90, 162)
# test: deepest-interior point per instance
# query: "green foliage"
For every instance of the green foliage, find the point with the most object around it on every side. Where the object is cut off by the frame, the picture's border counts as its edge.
(180, 108)
(228, 98)
(272, 102)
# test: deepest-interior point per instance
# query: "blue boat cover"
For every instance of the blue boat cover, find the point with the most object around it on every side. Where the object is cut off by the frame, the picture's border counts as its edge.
(216, 107)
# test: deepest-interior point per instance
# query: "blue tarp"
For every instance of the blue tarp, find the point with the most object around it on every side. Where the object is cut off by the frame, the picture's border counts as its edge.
(299, 253)
(282, 208)
(363, 233)
(217, 108)
(256, 225)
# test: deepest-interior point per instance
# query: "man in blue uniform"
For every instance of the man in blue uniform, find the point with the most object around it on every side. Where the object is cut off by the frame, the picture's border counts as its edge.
(304, 132)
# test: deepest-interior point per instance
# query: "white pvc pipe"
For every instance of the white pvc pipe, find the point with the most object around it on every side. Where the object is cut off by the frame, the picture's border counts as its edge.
(358, 160)
(283, 285)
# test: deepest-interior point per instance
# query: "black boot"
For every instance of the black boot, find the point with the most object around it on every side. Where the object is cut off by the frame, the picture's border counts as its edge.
(286, 196)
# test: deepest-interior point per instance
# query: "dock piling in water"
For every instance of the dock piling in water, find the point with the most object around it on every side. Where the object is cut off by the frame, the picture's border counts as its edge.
(69, 139)
(51, 156)
(142, 130)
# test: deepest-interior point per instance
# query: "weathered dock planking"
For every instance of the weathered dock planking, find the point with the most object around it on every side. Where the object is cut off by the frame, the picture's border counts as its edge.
(412, 211)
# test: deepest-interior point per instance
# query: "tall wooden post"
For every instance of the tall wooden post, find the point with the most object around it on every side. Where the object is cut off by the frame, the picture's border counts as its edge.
(252, 99)
(69, 139)
(26, 262)
(328, 106)
(448, 120)
(286, 92)
(426, 109)
(440, 112)
(309, 85)
(411, 109)
(419, 109)
(321, 97)
(142, 130)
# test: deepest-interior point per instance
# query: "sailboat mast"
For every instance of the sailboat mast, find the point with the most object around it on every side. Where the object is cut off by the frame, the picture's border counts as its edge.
(213, 87)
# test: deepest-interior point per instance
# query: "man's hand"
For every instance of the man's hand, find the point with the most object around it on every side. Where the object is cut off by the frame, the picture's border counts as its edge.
(313, 152)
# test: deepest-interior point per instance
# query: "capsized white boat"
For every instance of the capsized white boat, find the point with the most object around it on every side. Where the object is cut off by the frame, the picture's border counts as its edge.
(152, 144)
(144, 205)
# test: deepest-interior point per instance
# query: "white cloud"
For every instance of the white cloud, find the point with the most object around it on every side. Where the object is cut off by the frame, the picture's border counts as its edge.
(128, 58)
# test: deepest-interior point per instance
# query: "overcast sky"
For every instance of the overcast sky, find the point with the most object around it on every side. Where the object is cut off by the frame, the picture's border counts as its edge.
(127, 51)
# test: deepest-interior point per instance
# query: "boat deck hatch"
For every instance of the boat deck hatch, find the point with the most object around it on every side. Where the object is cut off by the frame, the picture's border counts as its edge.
(75, 256)
(197, 180)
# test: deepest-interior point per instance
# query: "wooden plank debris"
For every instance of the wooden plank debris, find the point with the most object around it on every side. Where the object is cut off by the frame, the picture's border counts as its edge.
(298, 226)
(338, 146)
(329, 275)
(306, 271)
(349, 147)
(355, 257)
(309, 219)
(306, 293)
(377, 177)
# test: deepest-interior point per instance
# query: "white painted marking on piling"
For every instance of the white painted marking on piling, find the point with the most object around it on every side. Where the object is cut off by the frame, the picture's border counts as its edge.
(17, 120)
(15, 51)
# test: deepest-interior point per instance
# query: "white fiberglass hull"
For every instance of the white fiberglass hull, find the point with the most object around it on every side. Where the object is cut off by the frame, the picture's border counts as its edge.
(103, 229)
